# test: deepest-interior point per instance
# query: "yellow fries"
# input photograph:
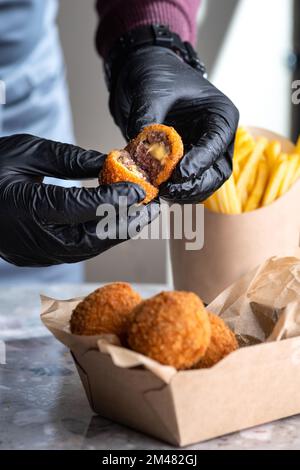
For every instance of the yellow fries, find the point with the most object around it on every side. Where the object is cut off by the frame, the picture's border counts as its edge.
(261, 174)
(222, 200)
(287, 182)
(272, 152)
(212, 203)
(297, 174)
(247, 176)
(259, 187)
(235, 206)
(298, 145)
(244, 151)
(236, 171)
(273, 188)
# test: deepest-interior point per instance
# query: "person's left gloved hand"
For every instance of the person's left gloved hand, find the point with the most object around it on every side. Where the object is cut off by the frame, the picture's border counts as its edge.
(43, 224)
(155, 85)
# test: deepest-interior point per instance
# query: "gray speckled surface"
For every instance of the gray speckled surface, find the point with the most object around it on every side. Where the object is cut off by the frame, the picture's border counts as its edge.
(42, 402)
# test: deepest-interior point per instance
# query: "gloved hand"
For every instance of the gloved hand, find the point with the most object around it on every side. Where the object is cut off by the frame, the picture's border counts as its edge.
(43, 224)
(155, 85)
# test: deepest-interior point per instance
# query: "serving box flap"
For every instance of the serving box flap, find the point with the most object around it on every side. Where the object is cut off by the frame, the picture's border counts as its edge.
(126, 358)
(84, 380)
(121, 394)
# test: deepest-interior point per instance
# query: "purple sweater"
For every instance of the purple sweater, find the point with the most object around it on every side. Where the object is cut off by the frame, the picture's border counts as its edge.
(119, 16)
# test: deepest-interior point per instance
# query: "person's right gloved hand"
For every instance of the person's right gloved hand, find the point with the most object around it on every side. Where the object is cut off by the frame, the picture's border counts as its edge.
(44, 225)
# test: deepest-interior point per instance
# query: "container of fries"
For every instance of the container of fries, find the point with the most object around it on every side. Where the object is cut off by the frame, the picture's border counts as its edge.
(254, 216)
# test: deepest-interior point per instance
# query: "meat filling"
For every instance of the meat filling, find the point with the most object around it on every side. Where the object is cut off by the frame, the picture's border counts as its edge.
(127, 161)
(149, 155)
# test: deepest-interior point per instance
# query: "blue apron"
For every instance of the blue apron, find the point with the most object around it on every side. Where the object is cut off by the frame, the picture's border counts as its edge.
(32, 68)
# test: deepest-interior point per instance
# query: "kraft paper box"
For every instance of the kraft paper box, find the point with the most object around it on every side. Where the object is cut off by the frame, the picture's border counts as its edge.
(235, 244)
(256, 384)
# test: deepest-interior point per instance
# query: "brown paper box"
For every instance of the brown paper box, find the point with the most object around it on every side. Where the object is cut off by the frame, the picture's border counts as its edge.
(235, 244)
(198, 405)
(252, 386)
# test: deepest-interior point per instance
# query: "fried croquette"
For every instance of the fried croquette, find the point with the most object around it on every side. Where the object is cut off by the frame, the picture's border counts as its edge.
(120, 167)
(222, 343)
(172, 328)
(148, 160)
(157, 150)
(107, 310)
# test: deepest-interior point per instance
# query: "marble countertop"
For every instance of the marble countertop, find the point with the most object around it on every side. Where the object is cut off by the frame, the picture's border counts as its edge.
(43, 404)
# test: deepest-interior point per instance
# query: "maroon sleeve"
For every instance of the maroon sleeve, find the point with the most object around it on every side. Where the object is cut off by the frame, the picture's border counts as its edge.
(119, 16)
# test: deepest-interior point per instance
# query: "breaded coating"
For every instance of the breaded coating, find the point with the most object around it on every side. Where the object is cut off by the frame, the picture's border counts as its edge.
(172, 328)
(157, 150)
(222, 343)
(107, 310)
(115, 170)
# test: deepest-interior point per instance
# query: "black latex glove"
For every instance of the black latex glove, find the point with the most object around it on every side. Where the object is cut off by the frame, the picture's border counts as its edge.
(155, 85)
(43, 224)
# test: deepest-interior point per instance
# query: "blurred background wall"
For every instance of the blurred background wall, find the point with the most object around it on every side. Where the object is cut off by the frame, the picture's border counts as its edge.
(245, 44)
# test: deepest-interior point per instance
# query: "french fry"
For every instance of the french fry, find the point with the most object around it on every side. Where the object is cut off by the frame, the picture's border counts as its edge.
(236, 170)
(250, 168)
(293, 161)
(243, 140)
(252, 177)
(243, 151)
(222, 199)
(282, 157)
(240, 131)
(298, 146)
(261, 174)
(207, 204)
(241, 134)
(275, 182)
(212, 204)
(272, 152)
(259, 187)
(235, 206)
(297, 175)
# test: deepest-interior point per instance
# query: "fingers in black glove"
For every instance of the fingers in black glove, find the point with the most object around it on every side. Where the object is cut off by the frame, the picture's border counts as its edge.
(49, 204)
(43, 157)
(88, 239)
(155, 85)
(42, 224)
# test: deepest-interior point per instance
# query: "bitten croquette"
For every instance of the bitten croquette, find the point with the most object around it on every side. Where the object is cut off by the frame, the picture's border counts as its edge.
(148, 160)
(222, 343)
(172, 328)
(107, 310)
(157, 150)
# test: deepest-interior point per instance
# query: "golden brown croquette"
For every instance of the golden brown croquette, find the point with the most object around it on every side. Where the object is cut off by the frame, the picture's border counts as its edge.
(107, 310)
(148, 160)
(172, 328)
(222, 343)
